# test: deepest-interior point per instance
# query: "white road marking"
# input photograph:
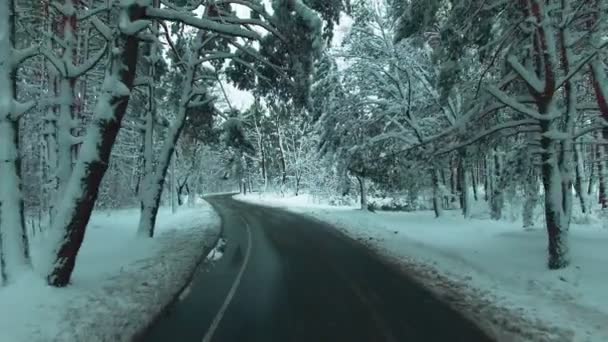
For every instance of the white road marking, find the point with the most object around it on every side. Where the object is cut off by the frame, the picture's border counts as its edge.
(235, 285)
(185, 292)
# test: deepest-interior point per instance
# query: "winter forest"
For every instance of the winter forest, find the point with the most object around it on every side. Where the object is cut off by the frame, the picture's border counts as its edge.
(438, 104)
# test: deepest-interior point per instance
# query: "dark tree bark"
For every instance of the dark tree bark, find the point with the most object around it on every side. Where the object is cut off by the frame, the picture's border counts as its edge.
(436, 193)
(78, 207)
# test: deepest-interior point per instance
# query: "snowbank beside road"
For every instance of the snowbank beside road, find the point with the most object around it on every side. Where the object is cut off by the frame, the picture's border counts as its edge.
(121, 282)
(495, 271)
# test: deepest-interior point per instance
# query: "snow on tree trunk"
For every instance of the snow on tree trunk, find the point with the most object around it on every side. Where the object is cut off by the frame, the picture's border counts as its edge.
(531, 198)
(581, 184)
(362, 192)
(436, 193)
(556, 154)
(497, 196)
(556, 212)
(74, 209)
(465, 189)
(475, 182)
(65, 120)
(601, 176)
(14, 252)
(487, 175)
(153, 183)
(281, 154)
(262, 149)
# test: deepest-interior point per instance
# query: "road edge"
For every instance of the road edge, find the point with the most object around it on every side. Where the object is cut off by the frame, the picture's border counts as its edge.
(140, 335)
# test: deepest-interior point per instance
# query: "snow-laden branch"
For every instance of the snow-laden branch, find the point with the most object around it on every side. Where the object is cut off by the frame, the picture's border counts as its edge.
(201, 23)
(529, 77)
(258, 58)
(91, 12)
(492, 130)
(207, 100)
(516, 105)
(215, 56)
(589, 129)
(21, 55)
(249, 21)
(20, 108)
(89, 64)
(54, 60)
(102, 28)
(577, 68)
(132, 28)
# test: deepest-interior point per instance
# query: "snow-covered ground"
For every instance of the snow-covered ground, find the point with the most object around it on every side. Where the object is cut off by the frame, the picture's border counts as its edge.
(121, 282)
(493, 271)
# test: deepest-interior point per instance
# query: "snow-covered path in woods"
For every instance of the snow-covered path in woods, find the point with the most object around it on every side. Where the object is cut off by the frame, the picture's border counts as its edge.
(120, 283)
(494, 271)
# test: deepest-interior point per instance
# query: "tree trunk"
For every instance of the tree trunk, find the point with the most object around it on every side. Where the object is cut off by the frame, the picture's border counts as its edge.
(454, 183)
(486, 178)
(599, 82)
(67, 101)
(14, 250)
(436, 193)
(556, 217)
(531, 199)
(298, 178)
(601, 176)
(75, 208)
(363, 192)
(3, 275)
(580, 185)
(591, 178)
(497, 197)
(446, 197)
(465, 196)
(475, 182)
(281, 155)
(154, 183)
(262, 150)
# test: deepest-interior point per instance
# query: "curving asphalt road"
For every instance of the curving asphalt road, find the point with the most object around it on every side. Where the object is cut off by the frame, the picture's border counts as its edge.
(285, 277)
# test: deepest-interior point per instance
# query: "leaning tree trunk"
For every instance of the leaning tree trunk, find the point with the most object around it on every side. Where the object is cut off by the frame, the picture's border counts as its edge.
(74, 210)
(153, 183)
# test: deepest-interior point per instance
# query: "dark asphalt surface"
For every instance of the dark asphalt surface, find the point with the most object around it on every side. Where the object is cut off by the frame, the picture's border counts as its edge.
(303, 282)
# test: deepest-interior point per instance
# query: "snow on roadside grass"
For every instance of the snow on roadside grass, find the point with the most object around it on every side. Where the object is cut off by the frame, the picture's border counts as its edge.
(120, 283)
(493, 270)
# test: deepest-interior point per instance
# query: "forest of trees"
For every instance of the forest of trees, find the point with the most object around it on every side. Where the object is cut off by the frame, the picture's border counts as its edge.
(96, 94)
(444, 103)
(105, 104)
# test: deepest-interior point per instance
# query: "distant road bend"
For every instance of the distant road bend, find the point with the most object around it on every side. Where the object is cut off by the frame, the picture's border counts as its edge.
(285, 277)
